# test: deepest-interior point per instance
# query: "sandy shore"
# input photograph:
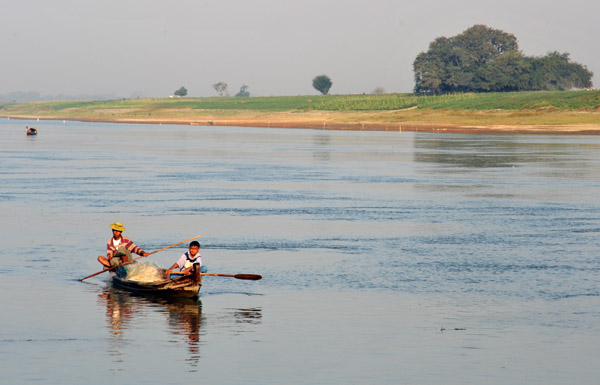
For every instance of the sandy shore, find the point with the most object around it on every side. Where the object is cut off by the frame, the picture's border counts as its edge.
(318, 121)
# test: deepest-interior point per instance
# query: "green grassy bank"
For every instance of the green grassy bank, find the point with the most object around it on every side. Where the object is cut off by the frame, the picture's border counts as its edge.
(512, 108)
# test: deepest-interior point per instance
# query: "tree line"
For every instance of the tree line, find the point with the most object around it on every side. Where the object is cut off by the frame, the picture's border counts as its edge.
(222, 90)
(482, 59)
(321, 83)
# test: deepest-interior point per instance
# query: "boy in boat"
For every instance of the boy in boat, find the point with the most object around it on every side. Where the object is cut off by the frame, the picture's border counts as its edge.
(119, 248)
(186, 262)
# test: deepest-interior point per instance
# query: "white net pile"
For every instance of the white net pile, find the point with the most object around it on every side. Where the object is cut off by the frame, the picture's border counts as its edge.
(145, 272)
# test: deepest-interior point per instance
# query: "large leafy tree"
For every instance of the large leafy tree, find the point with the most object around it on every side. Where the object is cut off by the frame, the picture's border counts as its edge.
(556, 72)
(508, 72)
(484, 59)
(322, 83)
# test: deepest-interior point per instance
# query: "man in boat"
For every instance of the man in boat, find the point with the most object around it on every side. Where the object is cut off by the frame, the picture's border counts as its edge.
(186, 262)
(119, 248)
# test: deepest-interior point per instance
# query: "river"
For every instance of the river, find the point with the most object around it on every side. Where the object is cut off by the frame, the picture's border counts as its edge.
(387, 258)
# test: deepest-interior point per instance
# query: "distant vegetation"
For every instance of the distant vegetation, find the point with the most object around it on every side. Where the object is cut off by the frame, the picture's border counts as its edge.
(504, 108)
(221, 88)
(378, 90)
(181, 92)
(482, 59)
(33, 96)
(561, 100)
(322, 83)
(244, 93)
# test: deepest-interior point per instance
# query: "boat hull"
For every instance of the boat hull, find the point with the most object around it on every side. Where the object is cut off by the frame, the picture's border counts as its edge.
(182, 286)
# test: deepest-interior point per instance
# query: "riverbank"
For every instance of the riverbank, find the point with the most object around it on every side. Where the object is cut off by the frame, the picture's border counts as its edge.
(342, 122)
(573, 112)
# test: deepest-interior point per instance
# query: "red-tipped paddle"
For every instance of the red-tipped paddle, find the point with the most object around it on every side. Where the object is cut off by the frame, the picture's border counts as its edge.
(250, 277)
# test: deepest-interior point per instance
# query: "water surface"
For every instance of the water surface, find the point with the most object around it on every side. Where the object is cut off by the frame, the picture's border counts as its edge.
(387, 258)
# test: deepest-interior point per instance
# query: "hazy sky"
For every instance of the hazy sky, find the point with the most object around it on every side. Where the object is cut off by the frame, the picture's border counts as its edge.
(131, 48)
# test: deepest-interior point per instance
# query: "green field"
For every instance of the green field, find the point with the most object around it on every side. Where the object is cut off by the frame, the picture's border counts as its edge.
(559, 107)
(570, 100)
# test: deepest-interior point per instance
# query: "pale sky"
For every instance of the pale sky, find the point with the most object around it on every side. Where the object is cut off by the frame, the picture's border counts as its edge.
(150, 48)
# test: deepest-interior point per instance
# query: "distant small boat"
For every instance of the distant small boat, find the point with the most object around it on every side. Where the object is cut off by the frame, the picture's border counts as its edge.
(31, 131)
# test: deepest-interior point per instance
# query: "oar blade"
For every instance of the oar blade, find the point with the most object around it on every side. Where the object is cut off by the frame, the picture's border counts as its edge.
(250, 277)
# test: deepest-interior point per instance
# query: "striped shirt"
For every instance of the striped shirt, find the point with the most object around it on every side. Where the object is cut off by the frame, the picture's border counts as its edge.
(111, 248)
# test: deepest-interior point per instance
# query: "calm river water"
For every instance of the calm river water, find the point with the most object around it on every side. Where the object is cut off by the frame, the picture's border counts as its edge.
(388, 258)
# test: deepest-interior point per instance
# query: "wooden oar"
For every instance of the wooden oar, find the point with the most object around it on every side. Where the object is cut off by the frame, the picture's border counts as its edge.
(251, 277)
(154, 252)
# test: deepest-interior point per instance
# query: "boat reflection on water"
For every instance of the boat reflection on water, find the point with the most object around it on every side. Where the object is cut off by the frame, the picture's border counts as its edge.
(119, 311)
(184, 320)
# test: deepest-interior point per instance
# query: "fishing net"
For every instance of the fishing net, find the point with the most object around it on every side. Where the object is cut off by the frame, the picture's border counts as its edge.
(145, 272)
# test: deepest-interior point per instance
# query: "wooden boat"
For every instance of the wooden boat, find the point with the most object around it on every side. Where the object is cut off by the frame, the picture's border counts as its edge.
(177, 285)
(32, 131)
